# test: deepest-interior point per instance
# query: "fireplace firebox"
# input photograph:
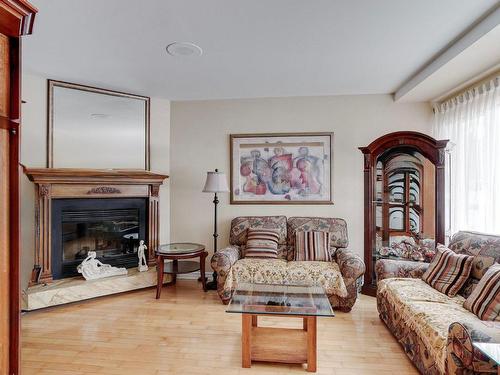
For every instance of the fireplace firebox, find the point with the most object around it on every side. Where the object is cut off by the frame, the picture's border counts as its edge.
(111, 227)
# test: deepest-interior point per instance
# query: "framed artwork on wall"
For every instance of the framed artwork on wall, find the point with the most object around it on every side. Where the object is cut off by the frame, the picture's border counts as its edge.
(281, 168)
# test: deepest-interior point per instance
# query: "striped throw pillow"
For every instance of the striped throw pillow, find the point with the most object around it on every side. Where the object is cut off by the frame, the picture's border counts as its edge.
(312, 246)
(484, 301)
(448, 271)
(262, 243)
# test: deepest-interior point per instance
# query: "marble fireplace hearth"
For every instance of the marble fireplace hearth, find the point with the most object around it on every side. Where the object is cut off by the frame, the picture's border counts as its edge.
(76, 289)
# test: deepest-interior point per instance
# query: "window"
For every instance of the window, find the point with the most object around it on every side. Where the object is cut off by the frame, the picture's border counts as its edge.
(471, 122)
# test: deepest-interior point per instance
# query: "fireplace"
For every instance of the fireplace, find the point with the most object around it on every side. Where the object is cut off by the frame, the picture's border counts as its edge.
(106, 210)
(111, 227)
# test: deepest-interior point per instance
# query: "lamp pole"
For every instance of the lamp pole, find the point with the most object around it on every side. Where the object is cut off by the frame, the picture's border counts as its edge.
(216, 183)
(213, 284)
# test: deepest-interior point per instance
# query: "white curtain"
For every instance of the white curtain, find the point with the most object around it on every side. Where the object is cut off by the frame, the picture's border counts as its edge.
(471, 122)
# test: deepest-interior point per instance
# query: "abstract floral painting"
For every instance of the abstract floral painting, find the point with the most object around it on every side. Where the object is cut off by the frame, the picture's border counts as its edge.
(294, 168)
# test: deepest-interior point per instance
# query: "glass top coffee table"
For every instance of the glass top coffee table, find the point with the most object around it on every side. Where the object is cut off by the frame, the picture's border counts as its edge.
(279, 344)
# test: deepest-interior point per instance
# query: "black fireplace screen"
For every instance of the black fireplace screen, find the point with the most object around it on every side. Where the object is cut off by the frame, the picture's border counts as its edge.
(110, 227)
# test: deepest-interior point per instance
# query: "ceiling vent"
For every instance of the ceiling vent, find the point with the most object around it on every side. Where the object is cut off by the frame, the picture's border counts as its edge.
(184, 49)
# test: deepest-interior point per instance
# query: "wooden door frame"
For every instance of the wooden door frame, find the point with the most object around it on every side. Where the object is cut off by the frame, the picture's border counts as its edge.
(16, 20)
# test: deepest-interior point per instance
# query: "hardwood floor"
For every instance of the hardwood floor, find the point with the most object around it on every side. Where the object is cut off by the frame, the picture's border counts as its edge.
(188, 332)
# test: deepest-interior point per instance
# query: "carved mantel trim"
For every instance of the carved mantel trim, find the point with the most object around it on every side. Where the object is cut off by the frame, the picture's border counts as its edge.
(104, 190)
(155, 190)
(56, 183)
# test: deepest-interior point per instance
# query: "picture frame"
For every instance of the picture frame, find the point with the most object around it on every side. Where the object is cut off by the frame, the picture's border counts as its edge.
(82, 118)
(281, 168)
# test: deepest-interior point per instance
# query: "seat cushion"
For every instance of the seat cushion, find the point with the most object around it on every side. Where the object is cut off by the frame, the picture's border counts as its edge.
(326, 274)
(254, 270)
(421, 309)
(278, 271)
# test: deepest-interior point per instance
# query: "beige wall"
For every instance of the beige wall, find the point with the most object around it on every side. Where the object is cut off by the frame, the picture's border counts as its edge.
(190, 138)
(200, 142)
(33, 154)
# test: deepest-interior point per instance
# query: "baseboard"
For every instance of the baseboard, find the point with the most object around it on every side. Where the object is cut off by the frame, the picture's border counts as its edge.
(193, 276)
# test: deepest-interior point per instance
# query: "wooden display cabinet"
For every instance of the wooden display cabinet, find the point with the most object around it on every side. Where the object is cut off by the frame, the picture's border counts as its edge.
(404, 174)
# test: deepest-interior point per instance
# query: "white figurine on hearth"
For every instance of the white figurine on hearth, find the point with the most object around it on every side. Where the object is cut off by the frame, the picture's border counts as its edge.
(143, 266)
(92, 268)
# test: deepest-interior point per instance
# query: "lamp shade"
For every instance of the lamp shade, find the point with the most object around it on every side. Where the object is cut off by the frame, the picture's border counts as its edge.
(216, 183)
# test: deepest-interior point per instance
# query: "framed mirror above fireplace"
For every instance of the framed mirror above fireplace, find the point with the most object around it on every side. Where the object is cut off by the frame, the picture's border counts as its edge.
(83, 118)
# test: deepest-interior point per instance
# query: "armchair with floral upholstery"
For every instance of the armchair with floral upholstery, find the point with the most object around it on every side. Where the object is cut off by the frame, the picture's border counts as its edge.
(435, 330)
(337, 277)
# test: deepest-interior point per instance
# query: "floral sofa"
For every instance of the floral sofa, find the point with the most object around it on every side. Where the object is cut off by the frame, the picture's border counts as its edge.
(436, 331)
(339, 277)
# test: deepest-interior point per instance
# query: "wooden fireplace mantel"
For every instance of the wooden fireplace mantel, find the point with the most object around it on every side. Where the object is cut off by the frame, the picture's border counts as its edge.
(56, 183)
(113, 176)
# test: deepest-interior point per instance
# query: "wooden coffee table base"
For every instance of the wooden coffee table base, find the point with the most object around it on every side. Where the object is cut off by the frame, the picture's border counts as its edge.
(284, 345)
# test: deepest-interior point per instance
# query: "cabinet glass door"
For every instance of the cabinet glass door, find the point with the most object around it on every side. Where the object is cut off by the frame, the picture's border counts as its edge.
(404, 205)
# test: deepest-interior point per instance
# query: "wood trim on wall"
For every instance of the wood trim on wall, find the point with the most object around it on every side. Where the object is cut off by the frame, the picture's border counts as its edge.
(16, 19)
(153, 223)
(5, 260)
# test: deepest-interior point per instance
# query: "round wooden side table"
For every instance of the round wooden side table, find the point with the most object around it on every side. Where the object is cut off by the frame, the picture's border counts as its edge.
(177, 252)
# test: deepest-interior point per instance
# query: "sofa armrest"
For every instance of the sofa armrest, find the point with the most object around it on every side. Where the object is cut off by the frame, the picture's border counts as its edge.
(223, 259)
(351, 265)
(387, 268)
(462, 356)
(221, 263)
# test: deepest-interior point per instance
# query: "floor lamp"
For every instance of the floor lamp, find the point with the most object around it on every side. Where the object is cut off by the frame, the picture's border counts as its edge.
(216, 183)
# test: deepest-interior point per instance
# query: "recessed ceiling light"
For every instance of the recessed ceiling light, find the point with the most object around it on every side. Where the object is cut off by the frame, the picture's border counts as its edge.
(184, 49)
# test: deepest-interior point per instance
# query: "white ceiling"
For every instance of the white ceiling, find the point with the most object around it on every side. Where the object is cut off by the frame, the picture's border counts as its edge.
(252, 48)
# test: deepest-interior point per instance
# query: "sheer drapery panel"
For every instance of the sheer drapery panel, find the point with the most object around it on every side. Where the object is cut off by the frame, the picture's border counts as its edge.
(471, 122)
